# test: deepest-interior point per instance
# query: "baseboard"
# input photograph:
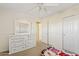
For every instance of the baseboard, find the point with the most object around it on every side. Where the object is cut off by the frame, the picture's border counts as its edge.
(5, 51)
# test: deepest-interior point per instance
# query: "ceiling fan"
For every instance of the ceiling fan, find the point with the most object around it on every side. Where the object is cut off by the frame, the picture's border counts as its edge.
(42, 7)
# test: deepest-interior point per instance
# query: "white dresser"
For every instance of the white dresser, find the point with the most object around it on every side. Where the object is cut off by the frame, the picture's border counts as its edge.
(20, 42)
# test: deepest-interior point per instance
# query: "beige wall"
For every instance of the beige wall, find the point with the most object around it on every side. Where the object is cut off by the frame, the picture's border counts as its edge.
(6, 27)
(55, 24)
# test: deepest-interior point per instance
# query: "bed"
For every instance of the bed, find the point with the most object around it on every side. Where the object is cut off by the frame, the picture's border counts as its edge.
(51, 51)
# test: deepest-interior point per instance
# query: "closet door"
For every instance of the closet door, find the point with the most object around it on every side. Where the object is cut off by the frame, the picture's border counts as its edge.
(70, 34)
(44, 33)
(55, 33)
(51, 34)
(32, 37)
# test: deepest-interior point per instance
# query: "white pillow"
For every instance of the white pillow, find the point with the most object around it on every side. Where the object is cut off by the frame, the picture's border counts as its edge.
(49, 53)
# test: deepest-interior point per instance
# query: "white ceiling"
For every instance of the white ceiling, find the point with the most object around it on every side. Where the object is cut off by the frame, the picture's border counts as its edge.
(30, 10)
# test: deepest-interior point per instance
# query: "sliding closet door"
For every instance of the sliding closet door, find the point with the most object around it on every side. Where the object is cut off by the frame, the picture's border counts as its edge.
(71, 34)
(51, 34)
(55, 33)
(32, 38)
(44, 32)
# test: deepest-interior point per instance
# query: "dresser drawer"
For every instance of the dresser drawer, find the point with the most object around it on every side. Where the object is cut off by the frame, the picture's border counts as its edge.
(18, 49)
(17, 41)
(18, 45)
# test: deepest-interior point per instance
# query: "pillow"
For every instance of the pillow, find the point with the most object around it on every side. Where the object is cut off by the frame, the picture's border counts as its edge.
(49, 53)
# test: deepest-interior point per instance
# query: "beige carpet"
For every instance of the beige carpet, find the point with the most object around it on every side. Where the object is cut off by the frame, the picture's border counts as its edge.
(36, 51)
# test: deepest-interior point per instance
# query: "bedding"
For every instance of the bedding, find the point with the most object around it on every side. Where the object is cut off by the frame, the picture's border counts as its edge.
(55, 52)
